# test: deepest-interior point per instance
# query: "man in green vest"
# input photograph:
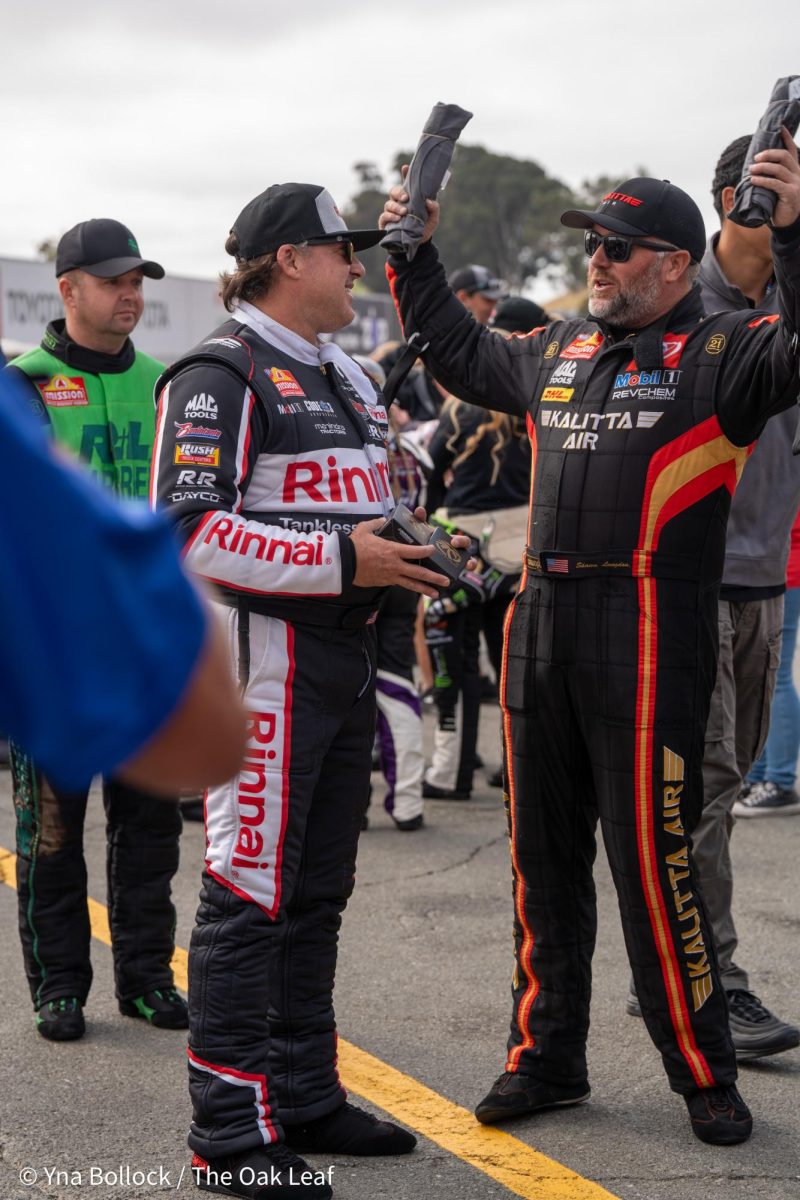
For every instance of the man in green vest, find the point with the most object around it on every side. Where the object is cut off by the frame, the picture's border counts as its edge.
(96, 393)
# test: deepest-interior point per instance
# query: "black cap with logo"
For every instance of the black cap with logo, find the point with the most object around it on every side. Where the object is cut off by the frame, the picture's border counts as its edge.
(104, 248)
(292, 214)
(475, 278)
(645, 207)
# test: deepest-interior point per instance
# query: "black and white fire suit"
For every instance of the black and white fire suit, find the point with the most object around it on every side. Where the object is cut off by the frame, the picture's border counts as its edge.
(637, 442)
(267, 462)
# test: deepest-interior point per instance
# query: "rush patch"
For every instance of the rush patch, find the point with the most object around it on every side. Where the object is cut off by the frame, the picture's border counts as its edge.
(284, 381)
(191, 452)
(64, 391)
(586, 345)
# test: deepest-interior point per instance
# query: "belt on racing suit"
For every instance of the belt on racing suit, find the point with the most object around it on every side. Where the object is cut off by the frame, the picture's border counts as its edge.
(304, 612)
(572, 564)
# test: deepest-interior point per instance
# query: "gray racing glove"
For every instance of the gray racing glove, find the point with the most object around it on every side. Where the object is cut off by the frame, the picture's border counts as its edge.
(426, 173)
(754, 206)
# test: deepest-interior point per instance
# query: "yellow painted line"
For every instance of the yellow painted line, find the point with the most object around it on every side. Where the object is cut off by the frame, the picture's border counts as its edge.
(520, 1169)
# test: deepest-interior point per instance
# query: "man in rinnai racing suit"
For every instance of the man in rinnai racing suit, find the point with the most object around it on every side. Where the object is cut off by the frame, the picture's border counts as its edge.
(270, 455)
(640, 423)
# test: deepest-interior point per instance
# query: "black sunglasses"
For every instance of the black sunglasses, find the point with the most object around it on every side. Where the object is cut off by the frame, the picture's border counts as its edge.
(347, 248)
(618, 248)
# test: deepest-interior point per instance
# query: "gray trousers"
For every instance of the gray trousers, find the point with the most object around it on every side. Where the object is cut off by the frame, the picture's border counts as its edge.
(738, 722)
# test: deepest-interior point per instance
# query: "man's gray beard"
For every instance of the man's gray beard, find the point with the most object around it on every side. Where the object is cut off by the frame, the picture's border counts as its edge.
(633, 307)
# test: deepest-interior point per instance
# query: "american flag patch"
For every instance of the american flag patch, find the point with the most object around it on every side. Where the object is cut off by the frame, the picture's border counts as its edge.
(559, 565)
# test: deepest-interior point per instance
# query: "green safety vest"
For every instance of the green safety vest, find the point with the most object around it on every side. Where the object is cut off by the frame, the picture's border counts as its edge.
(108, 420)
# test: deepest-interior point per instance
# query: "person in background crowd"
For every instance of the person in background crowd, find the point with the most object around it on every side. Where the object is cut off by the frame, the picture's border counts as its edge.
(399, 740)
(611, 645)
(770, 787)
(94, 391)
(281, 516)
(481, 470)
(516, 314)
(737, 272)
(478, 290)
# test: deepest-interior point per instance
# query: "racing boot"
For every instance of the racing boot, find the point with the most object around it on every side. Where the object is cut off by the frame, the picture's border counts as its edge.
(162, 1007)
(61, 1020)
(263, 1173)
(349, 1130)
(516, 1095)
(719, 1115)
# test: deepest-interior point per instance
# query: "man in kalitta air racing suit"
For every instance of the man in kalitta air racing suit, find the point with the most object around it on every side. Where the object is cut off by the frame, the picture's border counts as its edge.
(640, 423)
(270, 455)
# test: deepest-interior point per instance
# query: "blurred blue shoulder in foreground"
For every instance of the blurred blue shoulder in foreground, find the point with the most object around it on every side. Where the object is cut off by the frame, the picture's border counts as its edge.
(100, 627)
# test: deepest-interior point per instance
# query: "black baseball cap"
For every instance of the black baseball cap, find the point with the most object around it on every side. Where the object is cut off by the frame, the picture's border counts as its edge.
(515, 314)
(474, 278)
(104, 248)
(645, 207)
(293, 213)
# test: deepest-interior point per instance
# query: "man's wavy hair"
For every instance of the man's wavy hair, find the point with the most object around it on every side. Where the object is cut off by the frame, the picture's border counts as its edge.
(728, 171)
(252, 278)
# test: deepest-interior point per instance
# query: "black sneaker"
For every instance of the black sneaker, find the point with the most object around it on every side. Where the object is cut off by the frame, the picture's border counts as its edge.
(265, 1173)
(349, 1130)
(757, 1032)
(61, 1020)
(495, 778)
(632, 1006)
(719, 1115)
(516, 1095)
(192, 808)
(767, 800)
(410, 823)
(431, 792)
(162, 1007)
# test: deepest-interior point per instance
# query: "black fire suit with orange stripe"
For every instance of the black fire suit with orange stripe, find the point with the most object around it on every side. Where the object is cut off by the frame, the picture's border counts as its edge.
(637, 440)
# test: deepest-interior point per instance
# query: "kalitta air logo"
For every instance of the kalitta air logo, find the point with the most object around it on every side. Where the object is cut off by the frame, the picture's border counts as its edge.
(677, 865)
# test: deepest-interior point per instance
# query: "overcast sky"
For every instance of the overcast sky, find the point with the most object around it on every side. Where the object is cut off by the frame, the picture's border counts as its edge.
(169, 115)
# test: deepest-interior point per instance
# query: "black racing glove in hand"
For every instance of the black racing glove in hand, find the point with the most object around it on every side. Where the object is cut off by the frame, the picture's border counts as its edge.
(429, 165)
(754, 206)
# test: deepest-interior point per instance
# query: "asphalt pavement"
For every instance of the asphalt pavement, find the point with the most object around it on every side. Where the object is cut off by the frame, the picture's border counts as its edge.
(423, 986)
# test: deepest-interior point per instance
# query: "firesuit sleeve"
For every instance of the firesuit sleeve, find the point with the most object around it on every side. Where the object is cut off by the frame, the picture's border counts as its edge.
(207, 474)
(761, 370)
(465, 357)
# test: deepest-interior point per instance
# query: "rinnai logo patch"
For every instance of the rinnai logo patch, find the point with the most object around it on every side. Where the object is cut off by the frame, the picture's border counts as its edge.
(64, 391)
(284, 381)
